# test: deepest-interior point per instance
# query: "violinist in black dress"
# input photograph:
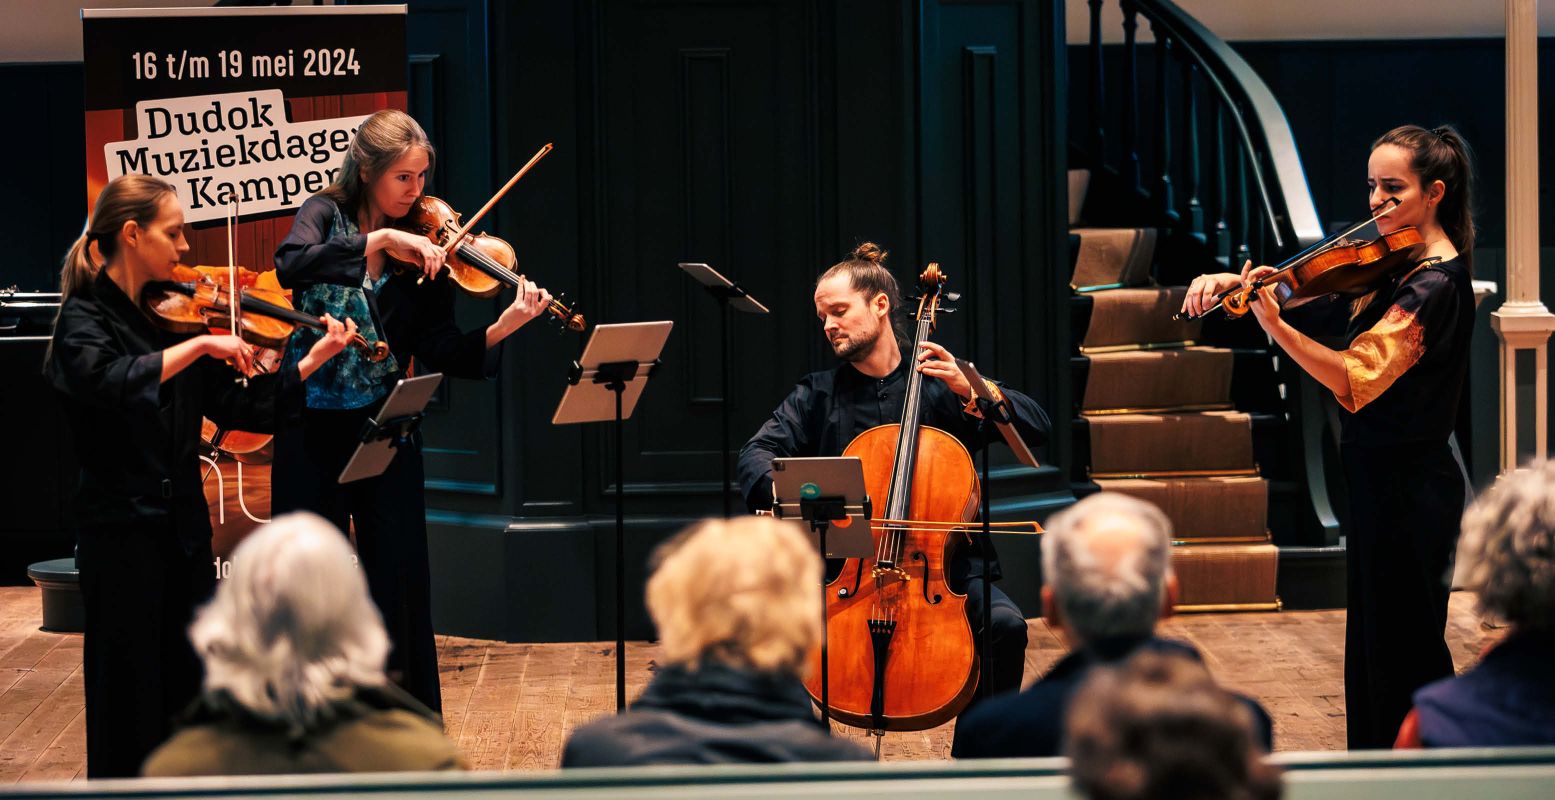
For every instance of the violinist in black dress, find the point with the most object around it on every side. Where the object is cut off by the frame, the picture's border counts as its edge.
(1398, 384)
(134, 394)
(856, 301)
(335, 259)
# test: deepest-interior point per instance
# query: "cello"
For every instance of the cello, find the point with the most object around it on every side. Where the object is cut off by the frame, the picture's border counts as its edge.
(901, 649)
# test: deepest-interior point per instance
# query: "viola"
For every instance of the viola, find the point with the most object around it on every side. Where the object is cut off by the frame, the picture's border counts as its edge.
(901, 649)
(479, 263)
(1336, 265)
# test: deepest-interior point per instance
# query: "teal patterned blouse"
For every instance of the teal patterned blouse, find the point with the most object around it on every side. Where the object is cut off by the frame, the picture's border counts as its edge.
(348, 380)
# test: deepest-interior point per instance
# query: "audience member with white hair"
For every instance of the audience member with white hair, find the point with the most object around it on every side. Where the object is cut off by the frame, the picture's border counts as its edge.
(1106, 564)
(738, 608)
(294, 653)
(1509, 550)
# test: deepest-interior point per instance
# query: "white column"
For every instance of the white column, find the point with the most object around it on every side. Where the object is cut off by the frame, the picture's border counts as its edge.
(1522, 322)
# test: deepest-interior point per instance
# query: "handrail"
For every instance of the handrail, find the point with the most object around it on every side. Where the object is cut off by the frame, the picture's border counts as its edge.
(1224, 68)
(1525, 770)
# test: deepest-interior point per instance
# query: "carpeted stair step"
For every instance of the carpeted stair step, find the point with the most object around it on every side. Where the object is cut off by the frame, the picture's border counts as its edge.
(1175, 445)
(1224, 577)
(1112, 257)
(1193, 378)
(1204, 508)
(1132, 318)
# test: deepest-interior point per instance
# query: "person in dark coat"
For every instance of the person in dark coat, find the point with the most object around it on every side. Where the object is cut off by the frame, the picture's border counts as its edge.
(1508, 699)
(336, 259)
(1107, 564)
(294, 682)
(134, 394)
(1398, 385)
(858, 302)
(738, 614)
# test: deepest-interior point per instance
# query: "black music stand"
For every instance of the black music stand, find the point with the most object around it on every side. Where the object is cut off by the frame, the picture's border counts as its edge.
(996, 411)
(729, 295)
(604, 385)
(391, 427)
(818, 491)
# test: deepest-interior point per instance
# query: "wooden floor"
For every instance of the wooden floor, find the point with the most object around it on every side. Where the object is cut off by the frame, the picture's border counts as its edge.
(510, 706)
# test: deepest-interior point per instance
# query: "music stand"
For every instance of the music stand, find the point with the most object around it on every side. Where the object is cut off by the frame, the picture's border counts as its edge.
(818, 491)
(603, 385)
(729, 295)
(997, 411)
(385, 432)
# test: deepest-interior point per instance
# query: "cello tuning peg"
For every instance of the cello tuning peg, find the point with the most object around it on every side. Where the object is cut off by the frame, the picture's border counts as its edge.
(952, 296)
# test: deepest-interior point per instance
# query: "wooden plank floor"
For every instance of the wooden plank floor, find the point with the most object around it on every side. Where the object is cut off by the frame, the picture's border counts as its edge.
(511, 706)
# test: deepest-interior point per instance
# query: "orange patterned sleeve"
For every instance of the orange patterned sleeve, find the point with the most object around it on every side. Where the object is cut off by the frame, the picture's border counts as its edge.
(1380, 355)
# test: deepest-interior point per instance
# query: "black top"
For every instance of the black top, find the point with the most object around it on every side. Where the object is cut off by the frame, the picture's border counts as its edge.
(1030, 723)
(827, 410)
(416, 320)
(713, 715)
(1408, 359)
(137, 438)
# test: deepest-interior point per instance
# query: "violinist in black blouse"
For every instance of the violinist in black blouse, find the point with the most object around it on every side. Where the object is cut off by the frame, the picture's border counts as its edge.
(857, 302)
(134, 394)
(1398, 383)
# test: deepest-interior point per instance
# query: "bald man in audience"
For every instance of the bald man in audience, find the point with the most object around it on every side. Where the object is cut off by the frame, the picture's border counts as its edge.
(1107, 565)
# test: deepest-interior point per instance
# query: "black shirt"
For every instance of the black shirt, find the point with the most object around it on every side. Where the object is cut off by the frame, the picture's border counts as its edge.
(137, 438)
(827, 410)
(1408, 359)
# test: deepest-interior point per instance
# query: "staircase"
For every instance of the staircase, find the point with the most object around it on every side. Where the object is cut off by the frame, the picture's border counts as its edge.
(1200, 418)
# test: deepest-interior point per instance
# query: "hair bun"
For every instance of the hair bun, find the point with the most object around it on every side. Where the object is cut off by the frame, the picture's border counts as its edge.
(868, 251)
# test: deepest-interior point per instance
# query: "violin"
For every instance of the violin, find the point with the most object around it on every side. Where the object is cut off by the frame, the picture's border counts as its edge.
(1337, 265)
(266, 317)
(479, 263)
(898, 635)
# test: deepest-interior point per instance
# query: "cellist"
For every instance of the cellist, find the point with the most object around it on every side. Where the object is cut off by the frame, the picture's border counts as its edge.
(857, 301)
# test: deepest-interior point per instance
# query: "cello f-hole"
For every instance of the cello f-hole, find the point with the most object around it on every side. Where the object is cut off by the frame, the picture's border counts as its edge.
(935, 600)
(858, 577)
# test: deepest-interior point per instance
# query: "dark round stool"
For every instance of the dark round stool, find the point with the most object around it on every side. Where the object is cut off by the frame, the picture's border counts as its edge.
(63, 611)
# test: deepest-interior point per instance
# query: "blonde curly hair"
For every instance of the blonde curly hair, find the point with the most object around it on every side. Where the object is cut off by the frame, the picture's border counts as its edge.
(741, 592)
(1509, 547)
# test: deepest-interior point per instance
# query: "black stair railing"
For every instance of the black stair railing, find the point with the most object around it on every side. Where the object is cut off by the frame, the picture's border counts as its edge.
(1260, 205)
(1211, 161)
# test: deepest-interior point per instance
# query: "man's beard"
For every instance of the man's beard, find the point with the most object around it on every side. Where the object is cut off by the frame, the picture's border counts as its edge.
(856, 349)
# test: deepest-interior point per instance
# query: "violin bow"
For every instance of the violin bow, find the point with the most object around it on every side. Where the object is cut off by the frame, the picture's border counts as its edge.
(234, 305)
(469, 225)
(1390, 205)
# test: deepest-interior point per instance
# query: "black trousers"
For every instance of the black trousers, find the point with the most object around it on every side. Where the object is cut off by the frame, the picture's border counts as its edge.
(389, 514)
(1405, 506)
(140, 587)
(1007, 639)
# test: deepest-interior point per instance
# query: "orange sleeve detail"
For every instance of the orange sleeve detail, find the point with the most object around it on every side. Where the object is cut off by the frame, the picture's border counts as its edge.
(1380, 355)
(1409, 732)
